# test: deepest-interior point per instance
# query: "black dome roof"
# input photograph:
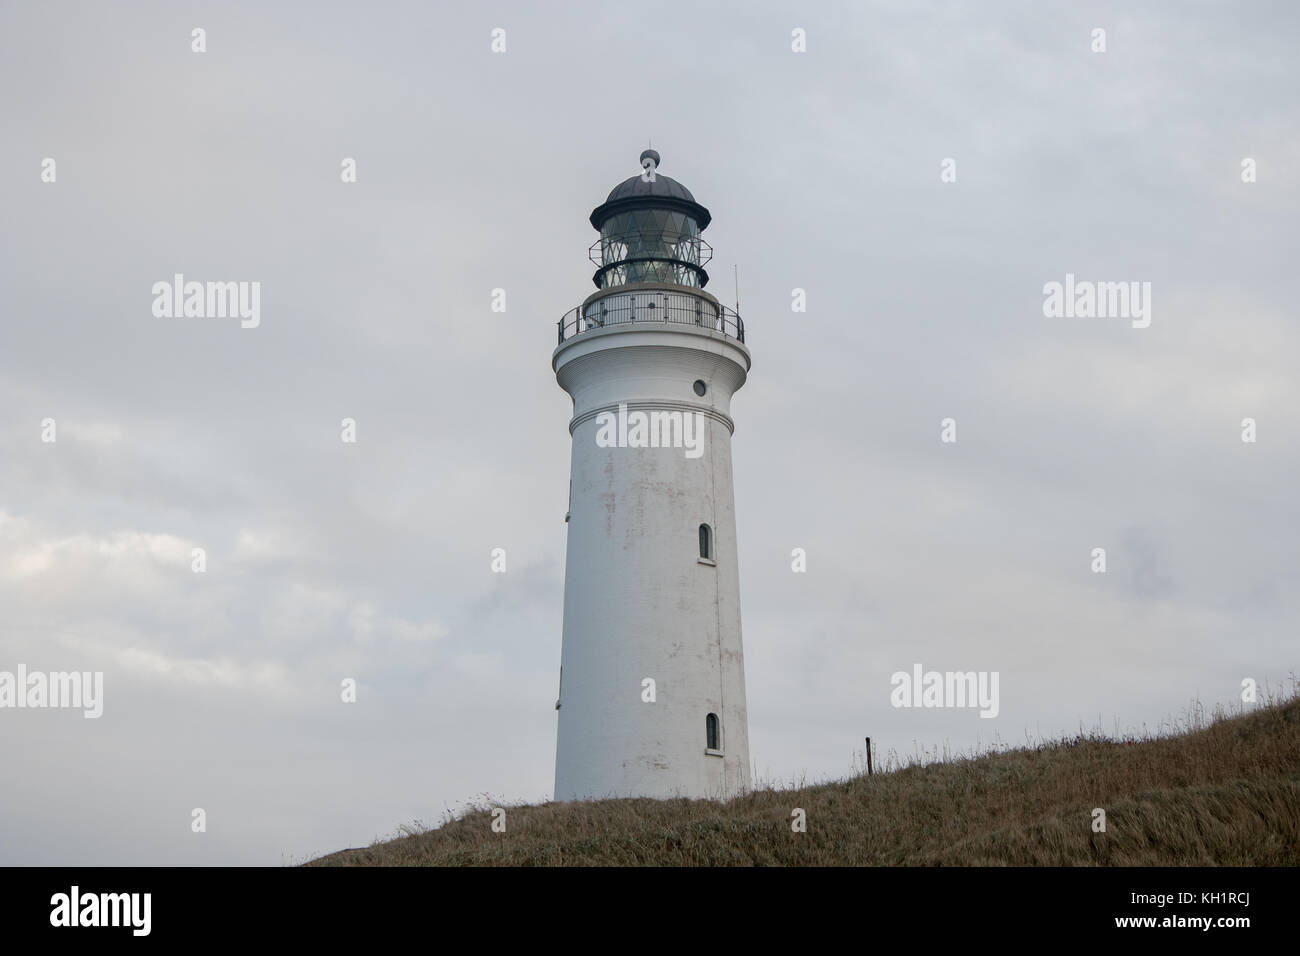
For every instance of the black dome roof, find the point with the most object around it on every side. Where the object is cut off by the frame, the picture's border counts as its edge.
(638, 192)
(662, 186)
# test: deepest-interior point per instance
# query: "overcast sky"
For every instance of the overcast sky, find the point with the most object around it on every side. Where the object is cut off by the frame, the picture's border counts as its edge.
(477, 170)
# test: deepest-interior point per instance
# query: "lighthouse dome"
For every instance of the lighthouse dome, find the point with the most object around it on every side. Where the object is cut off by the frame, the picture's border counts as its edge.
(640, 192)
(642, 185)
(661, 186)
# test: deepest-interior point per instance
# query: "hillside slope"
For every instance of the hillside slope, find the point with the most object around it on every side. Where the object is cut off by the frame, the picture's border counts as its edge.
(1227, 794)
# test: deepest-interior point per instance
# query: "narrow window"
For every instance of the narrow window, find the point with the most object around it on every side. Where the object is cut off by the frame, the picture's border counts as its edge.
(711, 732)
(706, 542)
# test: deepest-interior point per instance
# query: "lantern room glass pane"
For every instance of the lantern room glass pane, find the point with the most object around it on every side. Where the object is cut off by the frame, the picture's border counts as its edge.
(662, 239)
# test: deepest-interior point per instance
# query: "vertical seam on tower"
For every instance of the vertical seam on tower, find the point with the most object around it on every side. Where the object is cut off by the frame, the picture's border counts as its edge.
(717, 610)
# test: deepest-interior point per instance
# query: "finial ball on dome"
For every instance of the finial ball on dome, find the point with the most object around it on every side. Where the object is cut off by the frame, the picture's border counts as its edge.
(650, 154)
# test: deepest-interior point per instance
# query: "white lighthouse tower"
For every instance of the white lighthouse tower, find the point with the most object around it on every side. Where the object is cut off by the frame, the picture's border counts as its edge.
(652, 682)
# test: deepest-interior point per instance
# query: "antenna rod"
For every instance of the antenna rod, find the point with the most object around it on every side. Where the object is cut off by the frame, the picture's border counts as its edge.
(736, 268)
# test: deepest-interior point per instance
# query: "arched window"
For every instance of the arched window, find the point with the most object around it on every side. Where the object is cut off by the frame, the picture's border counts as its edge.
(706, 542)
(712, 739)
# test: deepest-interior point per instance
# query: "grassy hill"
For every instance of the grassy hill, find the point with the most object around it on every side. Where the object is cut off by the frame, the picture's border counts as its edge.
(1226, 794)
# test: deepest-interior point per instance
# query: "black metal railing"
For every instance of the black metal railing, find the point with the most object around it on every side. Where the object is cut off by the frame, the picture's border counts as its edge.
(685, 248)
(650, 257)
(627, 307)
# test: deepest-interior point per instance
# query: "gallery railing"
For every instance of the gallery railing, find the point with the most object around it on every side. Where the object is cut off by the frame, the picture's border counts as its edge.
(651, 306)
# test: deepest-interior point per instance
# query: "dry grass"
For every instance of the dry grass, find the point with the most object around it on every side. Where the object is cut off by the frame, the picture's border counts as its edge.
(1223, 794)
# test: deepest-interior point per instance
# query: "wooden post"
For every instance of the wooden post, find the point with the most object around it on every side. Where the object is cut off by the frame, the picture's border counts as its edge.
(868, 756)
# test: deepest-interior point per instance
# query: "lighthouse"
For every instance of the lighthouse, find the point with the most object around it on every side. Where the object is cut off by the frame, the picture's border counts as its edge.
(652, 678)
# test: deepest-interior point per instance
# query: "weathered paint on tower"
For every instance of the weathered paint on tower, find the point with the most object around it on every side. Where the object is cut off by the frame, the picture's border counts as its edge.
(652, 686)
